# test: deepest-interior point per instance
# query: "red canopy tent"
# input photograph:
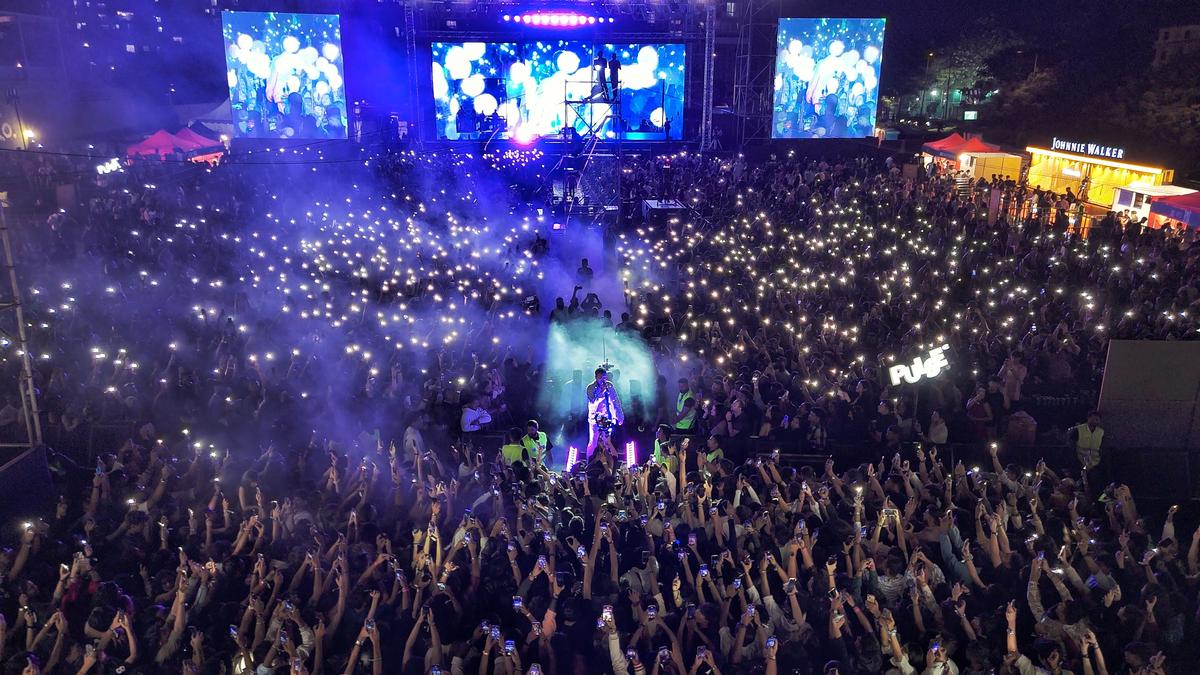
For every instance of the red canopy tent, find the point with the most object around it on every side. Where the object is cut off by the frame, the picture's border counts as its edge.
(161, 144)
(1182, 209)
(976, 145)
(947, 144)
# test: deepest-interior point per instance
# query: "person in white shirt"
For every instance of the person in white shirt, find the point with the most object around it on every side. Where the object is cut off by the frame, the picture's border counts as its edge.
(474, 416)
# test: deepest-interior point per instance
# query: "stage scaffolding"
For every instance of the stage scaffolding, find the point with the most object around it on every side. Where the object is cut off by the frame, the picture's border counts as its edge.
(13, 331)
(706, 97)
(754, 69)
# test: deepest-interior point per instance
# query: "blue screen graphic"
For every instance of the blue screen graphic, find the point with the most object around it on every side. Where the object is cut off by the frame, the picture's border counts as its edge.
(827, 78)
(286, 74)
(519, 90)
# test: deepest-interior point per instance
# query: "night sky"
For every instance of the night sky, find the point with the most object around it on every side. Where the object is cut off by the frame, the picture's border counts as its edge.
(1119, 33)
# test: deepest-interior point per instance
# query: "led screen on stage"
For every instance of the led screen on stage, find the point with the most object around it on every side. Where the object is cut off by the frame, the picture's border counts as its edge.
(520, 90)
(285, 74)
(827, 78)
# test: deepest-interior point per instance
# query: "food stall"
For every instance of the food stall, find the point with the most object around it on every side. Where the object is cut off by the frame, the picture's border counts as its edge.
(1138, 197)
(973, 156)
(942, 152)
(1092, 171)
(1176, 211)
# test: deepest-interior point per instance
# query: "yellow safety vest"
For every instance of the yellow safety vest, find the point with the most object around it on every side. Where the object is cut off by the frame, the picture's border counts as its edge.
(1087, 445)
(512, 453)
(535, 453)
(1088, 439)
(687, 422)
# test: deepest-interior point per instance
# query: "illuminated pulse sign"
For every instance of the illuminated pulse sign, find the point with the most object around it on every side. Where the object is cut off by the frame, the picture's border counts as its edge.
(921, 369)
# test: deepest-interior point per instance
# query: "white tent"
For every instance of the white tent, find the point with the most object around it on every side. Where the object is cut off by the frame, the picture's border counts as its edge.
(219, 118)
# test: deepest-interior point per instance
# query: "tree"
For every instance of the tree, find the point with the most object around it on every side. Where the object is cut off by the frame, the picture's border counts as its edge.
(961, 65)
(1023, 110)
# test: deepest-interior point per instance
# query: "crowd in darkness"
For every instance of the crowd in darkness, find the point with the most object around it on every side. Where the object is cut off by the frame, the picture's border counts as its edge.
(265, 413)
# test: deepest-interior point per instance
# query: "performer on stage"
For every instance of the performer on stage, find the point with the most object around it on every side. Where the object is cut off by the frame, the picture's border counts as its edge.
(604, 413)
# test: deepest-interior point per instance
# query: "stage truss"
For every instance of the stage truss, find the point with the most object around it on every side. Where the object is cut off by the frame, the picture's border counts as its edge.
(754, 69)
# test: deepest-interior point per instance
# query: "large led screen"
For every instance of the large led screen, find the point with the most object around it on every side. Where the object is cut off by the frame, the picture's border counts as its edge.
(520, 90)
(827, 78)
(285, 74)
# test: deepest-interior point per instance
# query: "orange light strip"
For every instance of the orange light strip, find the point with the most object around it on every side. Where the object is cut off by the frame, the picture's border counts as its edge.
(1092, 160)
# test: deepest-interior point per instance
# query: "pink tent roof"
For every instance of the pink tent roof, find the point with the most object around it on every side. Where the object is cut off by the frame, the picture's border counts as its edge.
(949, 143)
(187, 134)
(1184, 208)
(160, 143)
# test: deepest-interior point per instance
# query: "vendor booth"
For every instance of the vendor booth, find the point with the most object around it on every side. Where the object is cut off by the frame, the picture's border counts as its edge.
(942, 153)
(161, 144)
(186, 144)
(1137, 198)
(1092, 171)
(1175, 212)
(973, 156)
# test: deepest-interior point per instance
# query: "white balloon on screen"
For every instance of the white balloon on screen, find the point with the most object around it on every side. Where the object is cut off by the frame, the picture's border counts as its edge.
(850, 58)
(259, 65)
(457, 63)
(511, 112)
(836, 48)
(474, 85)
(637, 76)
(657, 117)
(871, 54)
(778, 81)
(568, 62)
(474, 50)
(232, 76)
(440, 87)
(308, 56)
(282, 63)
(331, 51)
(648, 58)
(578, 89)
(805, 67)
(244, 42)
(291, 45)
(293, 84)
(858, 89)
(795, 46)
(485, 104)
(322, 88)
(518, 71)
(312, 72)
(335, 81)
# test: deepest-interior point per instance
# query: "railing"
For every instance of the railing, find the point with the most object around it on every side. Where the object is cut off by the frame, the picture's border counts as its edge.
(798, 453)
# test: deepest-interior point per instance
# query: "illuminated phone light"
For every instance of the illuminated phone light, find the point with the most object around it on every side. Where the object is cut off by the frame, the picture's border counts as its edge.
(572, 457)
(630, 454)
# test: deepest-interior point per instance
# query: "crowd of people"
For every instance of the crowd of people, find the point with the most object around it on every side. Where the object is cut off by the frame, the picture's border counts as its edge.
(268, 417)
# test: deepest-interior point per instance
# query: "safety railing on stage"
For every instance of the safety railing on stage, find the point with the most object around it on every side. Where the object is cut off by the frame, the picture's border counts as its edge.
(800, 453)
